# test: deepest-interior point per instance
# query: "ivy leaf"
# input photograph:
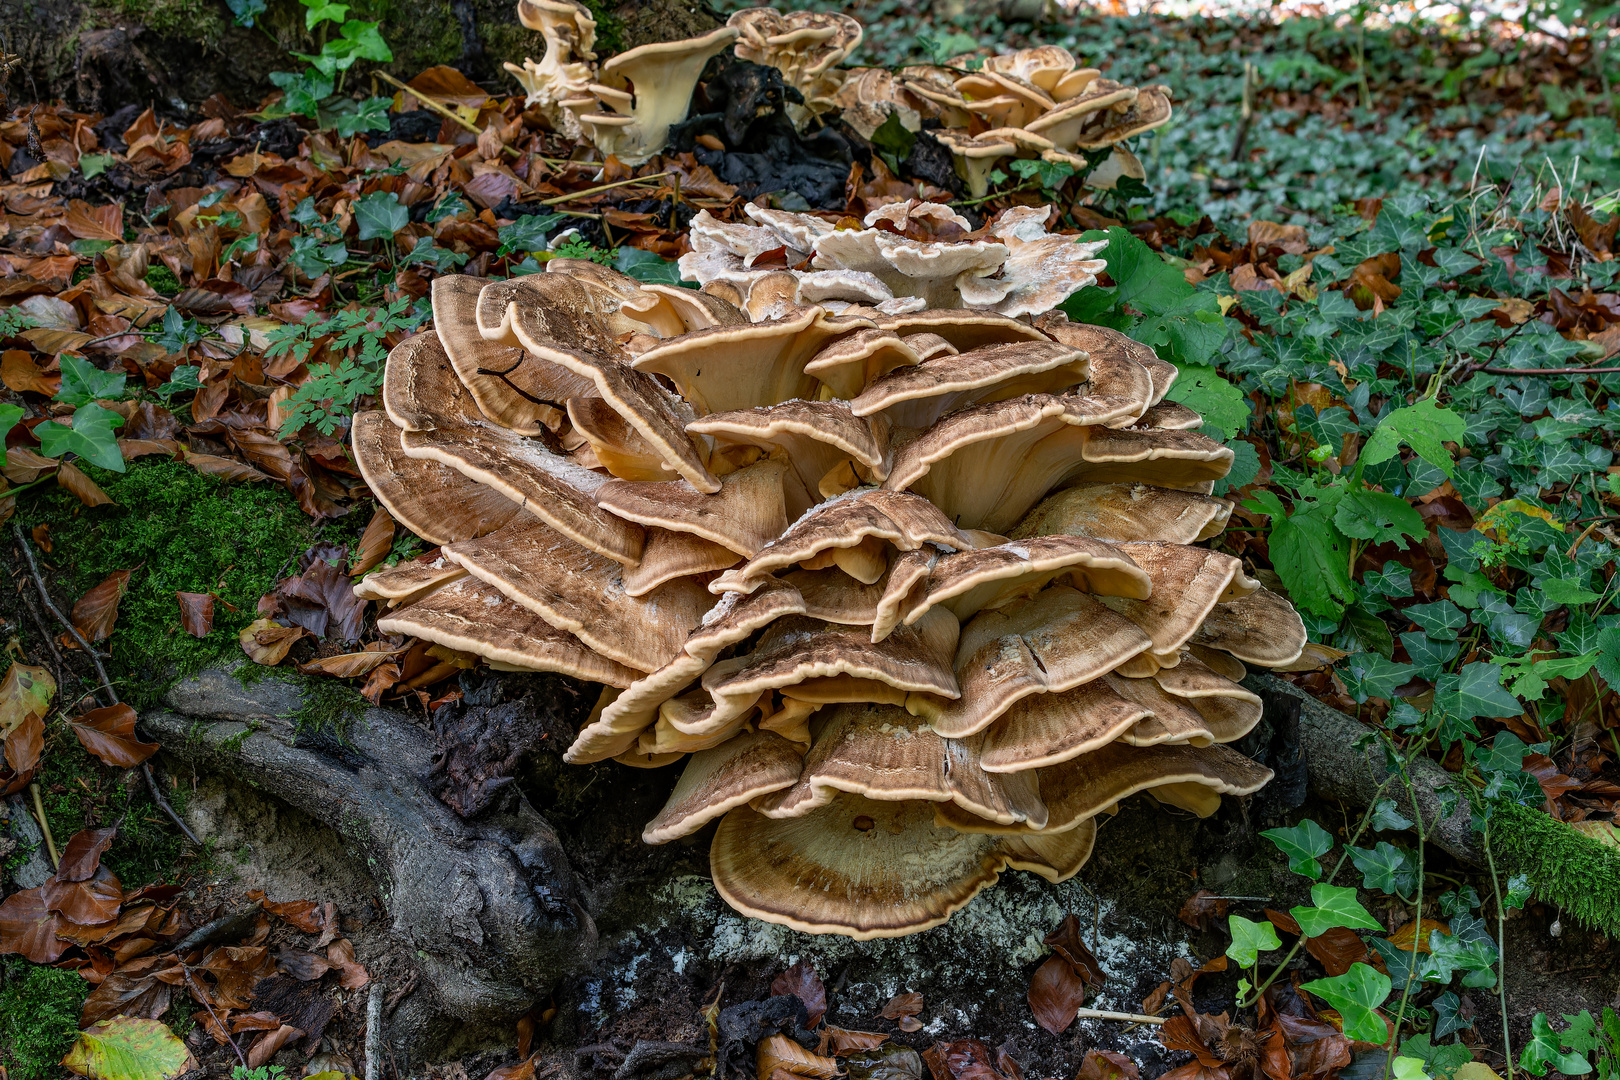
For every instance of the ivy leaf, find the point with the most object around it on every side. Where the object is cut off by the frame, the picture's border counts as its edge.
(1356, 994)
(1384, 868)
(1303, 844)
(1377, 516)
(1250, 939)
(9, 415)
(1335, 906)
(1393, 580)
(380, 215)
(1543, 1050)
(527, 233)
(1518, 891)
(368, 115)
(1387, 818)
(1564, 592)
(1608, 656)
(1440, 620)
(645, 266)
(1447, 1020)
(1409, 1068)
(92, 437)
(1205, 392)
(1368, 675)
(1479, 692)
(893, 142)
(317, 12)
(83, 382)
(1424, 427)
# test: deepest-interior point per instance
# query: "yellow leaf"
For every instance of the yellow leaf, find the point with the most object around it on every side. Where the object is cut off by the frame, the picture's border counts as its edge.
(125, 1048)
(1402, 938)
(1226, 303)
(1602, 831)
(24, 690)
(1497, 516)
(1475, 1070)
(781, 1052)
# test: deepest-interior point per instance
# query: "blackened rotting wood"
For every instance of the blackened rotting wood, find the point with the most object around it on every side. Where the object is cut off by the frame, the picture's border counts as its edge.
(222, 928)
(653, 1059)
(1275, 743)
(741, 1027)
(930, 160)
(482, 739)
(302, 1004)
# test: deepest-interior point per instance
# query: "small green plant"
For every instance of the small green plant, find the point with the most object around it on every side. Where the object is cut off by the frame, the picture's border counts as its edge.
(356, 338)
(13, 322)
(318, 91)
(262, 1072)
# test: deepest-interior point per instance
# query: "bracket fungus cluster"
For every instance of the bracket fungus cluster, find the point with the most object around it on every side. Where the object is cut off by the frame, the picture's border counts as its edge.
(911, 256)
(916, 593)
(625, 105)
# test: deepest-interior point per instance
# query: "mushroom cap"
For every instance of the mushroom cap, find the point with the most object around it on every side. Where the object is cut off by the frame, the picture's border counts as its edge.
(408, 580)
(552, 317)
(1082, 787)
(709, 233)
(925, 268)
(960, 328)
(1148, 110)
(1173, 720)
(867, 869)
(1127, 512)
(1004, 100)
(1262, 628)
(1064, 125)
(442, 424)
(429, 498)
(815, 436)
(847, 364)
(1053, 642)
(1042, 66)
(723, 778)
(618, 447)
(844, 522)
(673, 68)
(510, 387)
(1044, 729)
(879, 752)
(583, 593)
(1223, 664)
(1187, 583)
(728, 368)
(670, 555)
(918, 395)
(968, 582)
(471, 616)
(803, 43)
(1039, 274)
(798, 231)
(745, 515)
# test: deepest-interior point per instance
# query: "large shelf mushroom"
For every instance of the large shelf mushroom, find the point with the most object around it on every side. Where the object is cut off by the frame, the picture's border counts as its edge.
(915, 593)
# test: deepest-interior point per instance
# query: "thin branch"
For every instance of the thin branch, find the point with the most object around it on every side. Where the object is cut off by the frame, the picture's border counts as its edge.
(1549, 371)
(50, 605)
(163, 804)
(197, 992)
(44, 826)
(442, 110)
(1104, 1014)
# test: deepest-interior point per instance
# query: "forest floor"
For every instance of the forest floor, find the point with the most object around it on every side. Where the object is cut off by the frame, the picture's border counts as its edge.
(1409, 222)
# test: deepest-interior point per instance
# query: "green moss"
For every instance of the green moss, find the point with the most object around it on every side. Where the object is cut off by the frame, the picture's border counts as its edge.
(1568, 870)
(179, 531)
(41, 1006)
(162, 279)
(197, 20)
(609, 28)
(330, 708)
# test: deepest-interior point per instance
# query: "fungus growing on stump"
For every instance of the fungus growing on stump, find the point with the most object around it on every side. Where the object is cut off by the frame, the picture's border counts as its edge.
(913, 589)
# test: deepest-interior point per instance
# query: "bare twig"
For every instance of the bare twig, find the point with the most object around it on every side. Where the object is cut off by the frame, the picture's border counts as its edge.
(1104, 1014)
(44, 825)
(1549, 371)
(50, 605)
(442, 110)
(554, 200)
(197, 992)
(374, 1023)
(163, 804)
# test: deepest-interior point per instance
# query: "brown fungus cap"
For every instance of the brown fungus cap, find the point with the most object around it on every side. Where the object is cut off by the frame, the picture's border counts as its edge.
(429, 498)
(670, 555)
(1170, 416)
(409, 580)
(905, 521)
(918, 396)
(1045, 729)
(512, 388)
(1127, 512)
(962, 329)
(727, 368)
(1187, 583)
(582, 593)
(745, 514)
(1082, 787)
(848, 364)
(441, 424)
(723, 778)
(553, 317)
(474, 617)
(1262, 629)
(815, 436)
(867, 869)
(1056, 641)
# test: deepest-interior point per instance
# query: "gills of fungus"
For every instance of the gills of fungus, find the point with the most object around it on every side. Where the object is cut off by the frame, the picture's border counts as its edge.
(914, 590)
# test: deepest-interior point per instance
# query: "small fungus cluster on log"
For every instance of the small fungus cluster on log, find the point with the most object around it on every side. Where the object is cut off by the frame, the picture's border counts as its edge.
(912, 580)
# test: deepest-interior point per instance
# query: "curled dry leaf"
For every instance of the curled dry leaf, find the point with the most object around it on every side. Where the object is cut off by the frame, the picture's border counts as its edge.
(780, 1052)
(907, 1004)
(1418, 933)
(266, 642)
(802, 982)
(270, 1043)
(840, 1041)
(340, 954)
(109, 734)
(301, 965)
(129, 1048)
(375, 542)
(141, 988)
(349, 665)
(82, 856)
(25, 690)
(88, 902)
(83, 488)
(380, 681)
(229, 469)
(1056, 990)
(888, 1062)
(196, 613)
(523, 1070)
(22, 746)
(964, 1059)
(1066, 942)
(306, 915)
(97, 610)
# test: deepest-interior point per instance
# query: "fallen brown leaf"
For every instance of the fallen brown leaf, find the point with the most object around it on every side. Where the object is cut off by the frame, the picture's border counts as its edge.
(19, 372)
(1056, 990)
(97, 610)
(907, 1004)
(1204, 907)
(1106, 1065)
(196, 613)
(266, 642)
(29, 929)
(83, 488)
(780, 1052)
(270, 1043)
(1066, 942)
(375, 542)
(109, 734)
(802, 982)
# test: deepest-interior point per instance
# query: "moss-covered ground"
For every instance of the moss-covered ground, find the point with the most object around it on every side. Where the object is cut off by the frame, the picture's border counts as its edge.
(40, 1007)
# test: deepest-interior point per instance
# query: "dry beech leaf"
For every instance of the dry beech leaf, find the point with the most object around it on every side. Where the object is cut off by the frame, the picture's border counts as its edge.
(780, 1052)
(224, 468)
(24, 690)
(83, 488)
(1107, 1065)
(19, 372)
(1203, 907)
(1056, 990)
(266, 642)
(380, 681)
(27, 928)
(842, 1040)
(82, 855)
(341, 955)
(907, 1004)
(270, 1043)
(24, 466)
(1403, 937)
(1338, 949)
(196, 613)
(349, 665)
(109, 734)
(1066, 942)
(375, 542)
(523, 1070)
(97, 610)
(23, 746)
(89, 902)
(306, 915)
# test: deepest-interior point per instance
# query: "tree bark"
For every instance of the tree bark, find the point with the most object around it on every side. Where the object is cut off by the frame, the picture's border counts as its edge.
(489, 909)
